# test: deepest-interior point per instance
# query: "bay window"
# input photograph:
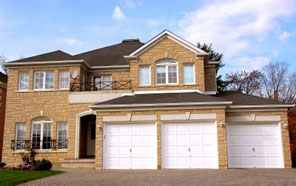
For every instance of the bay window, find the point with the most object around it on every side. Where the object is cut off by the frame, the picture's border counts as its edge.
(189, 74)
(144, 75)
(41, 133)
(24, 81)
(43, 80)
(20, 136)
(64, 80)
(166, 72)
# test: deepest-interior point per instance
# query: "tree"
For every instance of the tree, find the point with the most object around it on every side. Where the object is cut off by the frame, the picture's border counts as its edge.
(214, 56)
(3, 60)
(278, 84)
(245, 82)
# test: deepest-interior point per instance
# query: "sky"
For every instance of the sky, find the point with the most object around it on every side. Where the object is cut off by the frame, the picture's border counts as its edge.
(250, 33)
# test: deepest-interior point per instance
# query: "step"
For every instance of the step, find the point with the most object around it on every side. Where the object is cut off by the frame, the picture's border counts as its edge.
(78, 163)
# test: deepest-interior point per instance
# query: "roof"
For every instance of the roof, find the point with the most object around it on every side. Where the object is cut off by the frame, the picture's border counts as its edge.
(161, 98)
(57, 55)
(111, 55)
(225, 97)
(244, 99)
(3, 78)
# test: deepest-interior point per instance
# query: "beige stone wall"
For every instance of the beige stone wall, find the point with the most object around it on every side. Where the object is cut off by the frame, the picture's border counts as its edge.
(221, 132)
(168, 49)
(25, 106)
(285, 132)
(210, 78)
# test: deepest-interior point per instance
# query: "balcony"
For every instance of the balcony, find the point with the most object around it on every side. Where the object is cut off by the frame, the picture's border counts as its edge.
(101, 86)
(50, 144)
(95, 92)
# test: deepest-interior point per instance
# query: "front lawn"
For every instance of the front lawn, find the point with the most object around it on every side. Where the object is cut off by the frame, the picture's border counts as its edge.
(14, 177)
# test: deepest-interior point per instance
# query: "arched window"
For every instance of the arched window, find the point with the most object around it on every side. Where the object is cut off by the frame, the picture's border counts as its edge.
(41, 133)
(166, 72)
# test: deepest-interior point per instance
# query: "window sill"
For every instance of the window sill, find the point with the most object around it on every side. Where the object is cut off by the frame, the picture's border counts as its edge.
(41, 151)
(169, 85)
(52, 90)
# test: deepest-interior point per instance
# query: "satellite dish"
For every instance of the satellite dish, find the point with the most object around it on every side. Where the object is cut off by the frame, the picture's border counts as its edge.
(74, 74)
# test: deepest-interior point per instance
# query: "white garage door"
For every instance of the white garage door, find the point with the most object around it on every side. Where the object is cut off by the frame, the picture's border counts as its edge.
(189, 145)
(130, 146)
(254, 146)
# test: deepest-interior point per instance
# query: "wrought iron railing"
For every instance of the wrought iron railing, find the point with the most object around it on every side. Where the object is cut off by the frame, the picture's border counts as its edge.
(101, 85)
(38, 144)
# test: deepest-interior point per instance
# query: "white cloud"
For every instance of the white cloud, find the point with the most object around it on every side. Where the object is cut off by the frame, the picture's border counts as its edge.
(71, 41)
(129, 4)
(245, 63)
(231, 24)
(284, 35)
(118, 14)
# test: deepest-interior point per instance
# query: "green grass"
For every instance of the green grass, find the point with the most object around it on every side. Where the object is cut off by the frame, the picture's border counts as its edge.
(14, 177)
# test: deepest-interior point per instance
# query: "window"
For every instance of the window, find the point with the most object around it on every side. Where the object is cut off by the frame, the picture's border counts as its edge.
(24, 81)
(103, 82)
(62, 135)
(43, 80)
(41, 133)
(144, 75)
(189, 74)
(166, 72)
(20, 136)
(64, 79)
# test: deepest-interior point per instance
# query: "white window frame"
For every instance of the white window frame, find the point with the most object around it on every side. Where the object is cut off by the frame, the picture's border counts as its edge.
(19, 81)
(67, 129)
(41, 131)
(166, 64)
(102, 77)
(44, 80)
(193, 66)
(16, 133)
(149, 75)
(60, 80)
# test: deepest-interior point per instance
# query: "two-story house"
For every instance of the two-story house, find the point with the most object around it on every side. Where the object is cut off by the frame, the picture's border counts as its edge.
(3, 85)
(139, 105)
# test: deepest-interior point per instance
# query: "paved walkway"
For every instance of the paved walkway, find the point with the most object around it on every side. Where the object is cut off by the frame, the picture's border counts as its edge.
(261, 177)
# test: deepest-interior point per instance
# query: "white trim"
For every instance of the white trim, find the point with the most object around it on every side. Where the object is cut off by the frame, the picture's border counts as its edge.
(214, 62)
(254, 118)
(130, 118)
(258, 110)
(262, 106)
(210, 92)
(163, 92)
(41, 123)
(166, 65)
(160, 104)
(173, 117)
(45, 62)
(19, 80)
(77, 129)
(172, 36)
(44, 80)
(67, 135)
(162, 108)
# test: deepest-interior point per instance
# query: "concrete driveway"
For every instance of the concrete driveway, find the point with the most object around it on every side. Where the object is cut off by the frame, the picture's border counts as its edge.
(262, 177)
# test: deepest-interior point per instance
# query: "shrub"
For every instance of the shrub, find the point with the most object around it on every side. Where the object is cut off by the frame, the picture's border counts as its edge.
(42, 165)
(2, 165)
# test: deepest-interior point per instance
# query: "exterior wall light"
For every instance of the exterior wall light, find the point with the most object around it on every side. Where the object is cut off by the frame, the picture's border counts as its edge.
(285, 126)
(222, 124)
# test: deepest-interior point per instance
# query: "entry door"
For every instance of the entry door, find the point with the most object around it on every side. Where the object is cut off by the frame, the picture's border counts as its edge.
(91, 138)
(130, 146)
(103, 82)
(254, 146)
(189, 145)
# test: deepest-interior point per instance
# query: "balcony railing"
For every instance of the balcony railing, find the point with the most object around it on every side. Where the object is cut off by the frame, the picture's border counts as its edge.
(101, 85)
(33, 144)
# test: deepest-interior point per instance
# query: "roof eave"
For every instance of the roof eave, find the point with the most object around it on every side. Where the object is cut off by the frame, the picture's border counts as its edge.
(262, 106)
(159, 105)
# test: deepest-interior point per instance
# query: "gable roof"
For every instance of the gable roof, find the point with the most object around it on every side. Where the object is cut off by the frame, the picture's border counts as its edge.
(170, 35)
(57, 55)
(111, 55)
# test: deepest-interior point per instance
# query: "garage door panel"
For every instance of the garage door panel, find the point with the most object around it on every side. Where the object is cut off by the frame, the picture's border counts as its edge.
(189, 148)
(132, 147)
(254, 146)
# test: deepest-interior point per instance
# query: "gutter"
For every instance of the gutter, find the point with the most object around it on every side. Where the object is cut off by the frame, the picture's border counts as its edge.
(160, 104)
(261, 106)
(10, 64)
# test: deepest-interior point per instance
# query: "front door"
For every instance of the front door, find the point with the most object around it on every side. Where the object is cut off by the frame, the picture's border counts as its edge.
(91, 138)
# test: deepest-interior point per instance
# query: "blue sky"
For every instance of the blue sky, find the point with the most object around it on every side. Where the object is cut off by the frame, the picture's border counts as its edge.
(250, 33)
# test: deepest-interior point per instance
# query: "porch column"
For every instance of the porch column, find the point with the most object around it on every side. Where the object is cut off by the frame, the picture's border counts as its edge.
(99, 142)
